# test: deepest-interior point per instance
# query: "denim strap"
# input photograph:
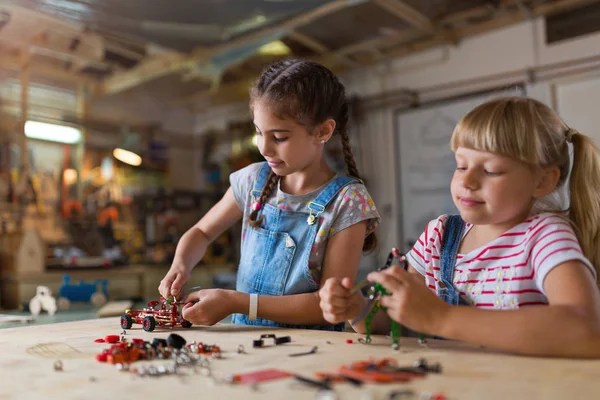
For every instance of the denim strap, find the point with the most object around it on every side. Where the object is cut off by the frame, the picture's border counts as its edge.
(453, 233)
(261, 180)
(319, 204)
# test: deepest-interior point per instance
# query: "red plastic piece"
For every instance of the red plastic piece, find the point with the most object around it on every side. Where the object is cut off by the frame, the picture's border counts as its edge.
(101, 357)
(348, 341)
(137, 340)
(380, 371)
(112, 338)
(439, 396)
(260, 376)
(100, 340)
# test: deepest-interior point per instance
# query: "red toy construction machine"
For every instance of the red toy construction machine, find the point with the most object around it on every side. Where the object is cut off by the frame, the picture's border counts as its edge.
(164, 313)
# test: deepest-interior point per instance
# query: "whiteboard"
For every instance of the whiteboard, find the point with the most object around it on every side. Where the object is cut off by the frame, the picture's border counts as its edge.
(577, 103)
(425, 162)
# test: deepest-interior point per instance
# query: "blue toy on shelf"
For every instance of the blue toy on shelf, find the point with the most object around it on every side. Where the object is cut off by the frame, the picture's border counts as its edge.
(94, 292)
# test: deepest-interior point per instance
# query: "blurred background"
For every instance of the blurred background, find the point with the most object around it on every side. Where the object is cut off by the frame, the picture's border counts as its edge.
(121, 121)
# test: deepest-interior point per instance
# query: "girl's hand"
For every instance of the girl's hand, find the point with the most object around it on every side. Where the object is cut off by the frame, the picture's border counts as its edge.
(410, 302)
(208, 306)
(337, 303)
(174, 280)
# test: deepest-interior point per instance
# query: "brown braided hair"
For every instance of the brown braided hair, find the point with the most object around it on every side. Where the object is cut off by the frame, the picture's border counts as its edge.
(308, 93)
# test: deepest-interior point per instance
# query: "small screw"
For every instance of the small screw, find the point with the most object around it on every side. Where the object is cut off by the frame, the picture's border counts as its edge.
(58, 365)
(240, 349)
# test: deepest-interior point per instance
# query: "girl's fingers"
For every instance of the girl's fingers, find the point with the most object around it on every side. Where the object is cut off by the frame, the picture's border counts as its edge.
(390, 282)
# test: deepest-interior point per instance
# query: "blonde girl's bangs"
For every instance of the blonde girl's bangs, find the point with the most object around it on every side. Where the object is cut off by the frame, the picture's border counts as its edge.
(505, 126)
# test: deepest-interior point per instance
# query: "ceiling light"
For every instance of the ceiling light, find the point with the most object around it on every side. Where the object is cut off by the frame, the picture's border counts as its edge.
(276, 48)
(52, 132)
(126, 156)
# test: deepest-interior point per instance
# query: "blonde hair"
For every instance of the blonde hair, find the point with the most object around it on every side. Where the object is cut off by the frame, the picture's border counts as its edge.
(529, 131)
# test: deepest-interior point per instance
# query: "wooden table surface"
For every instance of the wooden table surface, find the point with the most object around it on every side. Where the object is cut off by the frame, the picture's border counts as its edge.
(28, 355)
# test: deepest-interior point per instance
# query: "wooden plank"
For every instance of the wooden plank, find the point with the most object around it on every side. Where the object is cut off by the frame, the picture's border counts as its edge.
(408, 14)
(24, 86)
(309, 42)
(13, 63)
(468, 372)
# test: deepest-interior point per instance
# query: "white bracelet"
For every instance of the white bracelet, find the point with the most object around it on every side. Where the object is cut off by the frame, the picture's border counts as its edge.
(253, 307)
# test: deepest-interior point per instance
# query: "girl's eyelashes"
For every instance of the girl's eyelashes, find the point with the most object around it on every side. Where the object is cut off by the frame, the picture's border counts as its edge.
(492, 173)
(280, 140)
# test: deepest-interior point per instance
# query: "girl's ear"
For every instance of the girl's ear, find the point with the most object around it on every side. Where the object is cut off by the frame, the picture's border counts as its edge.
(325, 130)
(549, 177)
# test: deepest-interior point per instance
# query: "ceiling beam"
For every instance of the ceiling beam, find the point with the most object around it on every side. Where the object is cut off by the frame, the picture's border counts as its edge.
(319, 47)
(166, 65)
(559, 6)
(512, 16)
(416, 19)
(408, 14)
(402, 49)
(309, 42)
(13, 63)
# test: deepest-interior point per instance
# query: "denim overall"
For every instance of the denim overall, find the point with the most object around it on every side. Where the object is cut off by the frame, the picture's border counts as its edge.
(453, 234)
(274, 260)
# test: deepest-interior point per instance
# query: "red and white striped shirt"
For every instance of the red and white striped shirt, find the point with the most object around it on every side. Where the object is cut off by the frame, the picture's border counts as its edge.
(507, 272)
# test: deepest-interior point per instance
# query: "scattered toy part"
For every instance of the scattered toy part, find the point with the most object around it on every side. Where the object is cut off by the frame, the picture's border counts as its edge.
(278, 340)
(58, 365)
(176, 341)
(112, 338)
(338, 378)
(252, 378)
(311, 351)
(202, 348)
(386, 370)
(321, 384)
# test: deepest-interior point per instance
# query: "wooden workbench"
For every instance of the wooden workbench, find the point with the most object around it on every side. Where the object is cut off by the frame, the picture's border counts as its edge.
(468, 372)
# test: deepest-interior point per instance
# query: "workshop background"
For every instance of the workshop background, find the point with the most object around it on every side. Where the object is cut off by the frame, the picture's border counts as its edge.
(121, 121)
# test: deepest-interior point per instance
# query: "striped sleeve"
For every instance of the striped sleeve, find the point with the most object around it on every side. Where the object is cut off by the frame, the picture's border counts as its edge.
(427, 245)
(554, 243)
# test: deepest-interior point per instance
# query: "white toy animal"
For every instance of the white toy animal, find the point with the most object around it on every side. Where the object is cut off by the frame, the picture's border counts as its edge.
(42, 300)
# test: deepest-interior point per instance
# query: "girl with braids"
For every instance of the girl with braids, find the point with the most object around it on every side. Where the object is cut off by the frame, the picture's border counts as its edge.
(526, 267)
(302, 222)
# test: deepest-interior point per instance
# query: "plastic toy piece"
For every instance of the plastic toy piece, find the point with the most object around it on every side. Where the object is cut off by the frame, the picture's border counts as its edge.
(164, 313)
(332, 377)
(375, 293)
(278, 340)
(202, 348)
(175, 341)
(58, 365)
(42, 300)
(112, 338)
(321, 384)
(311, 351)
(264, 375)
(382, 371)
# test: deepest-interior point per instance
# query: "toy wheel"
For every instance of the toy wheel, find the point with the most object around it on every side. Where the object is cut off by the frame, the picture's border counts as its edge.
(63, 303)
(126, 321)
(186, 324)
(149, 323)
(98, 299)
